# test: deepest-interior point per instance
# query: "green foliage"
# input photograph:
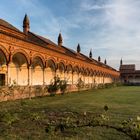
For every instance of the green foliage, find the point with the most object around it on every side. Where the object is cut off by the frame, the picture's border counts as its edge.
(57, 84)
(8, 118)
(54, 86)
(70, 116)
(76, 120)
(80, 84)
(108, 85)
(63, 86)
(35, 116)
(132, 126)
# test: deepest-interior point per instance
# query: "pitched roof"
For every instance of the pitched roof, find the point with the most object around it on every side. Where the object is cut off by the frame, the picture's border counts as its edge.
(45, 39)
(8, 25)
(128, 67)
(42, 41)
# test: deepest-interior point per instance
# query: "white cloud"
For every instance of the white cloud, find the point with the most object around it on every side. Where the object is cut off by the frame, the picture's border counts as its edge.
(89, 7)
(119, 35)
(111, 28)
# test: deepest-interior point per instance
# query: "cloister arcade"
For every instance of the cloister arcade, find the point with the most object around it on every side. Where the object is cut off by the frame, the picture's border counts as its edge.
(19, 71)
(29, 62)
(18, 68)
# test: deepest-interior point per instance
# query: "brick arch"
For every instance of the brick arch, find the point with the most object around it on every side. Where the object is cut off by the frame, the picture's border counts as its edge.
(97, 73)
(53, 62)
(86, 71)
(40, 56)
(40, 61)
(21, 51)
(76, 69)
(100, 73)
(106, 74)
(64, 63)
(94, 72)
(91, 72)
(5, 52)
(82, 70)
(53, 59)
(69, 65)
(109, 75)
(61, 62)
(103, 74)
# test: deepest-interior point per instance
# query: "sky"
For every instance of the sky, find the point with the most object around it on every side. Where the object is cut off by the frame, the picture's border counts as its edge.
(111, 28)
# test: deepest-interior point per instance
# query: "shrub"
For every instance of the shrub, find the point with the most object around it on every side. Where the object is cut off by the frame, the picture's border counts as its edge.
(63, 86)
(80, 84)
(54, 86)
(57, 84)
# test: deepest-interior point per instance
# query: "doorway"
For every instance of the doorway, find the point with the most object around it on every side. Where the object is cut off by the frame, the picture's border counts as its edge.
(2, 79)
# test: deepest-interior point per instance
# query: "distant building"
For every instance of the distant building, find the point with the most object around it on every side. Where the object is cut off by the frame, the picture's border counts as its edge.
(129, 74)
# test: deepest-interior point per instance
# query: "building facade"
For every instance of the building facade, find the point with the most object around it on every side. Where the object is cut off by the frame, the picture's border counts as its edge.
(129, 75)
(29, 59)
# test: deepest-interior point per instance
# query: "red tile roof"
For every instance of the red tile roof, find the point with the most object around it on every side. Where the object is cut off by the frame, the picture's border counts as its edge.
(8, 25)
(44, 42)
(128, 67)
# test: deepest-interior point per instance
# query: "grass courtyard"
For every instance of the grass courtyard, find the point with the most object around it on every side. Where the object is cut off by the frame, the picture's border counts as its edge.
(27, 119)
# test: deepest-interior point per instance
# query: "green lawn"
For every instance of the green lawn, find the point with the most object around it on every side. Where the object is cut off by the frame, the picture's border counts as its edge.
(25, 119)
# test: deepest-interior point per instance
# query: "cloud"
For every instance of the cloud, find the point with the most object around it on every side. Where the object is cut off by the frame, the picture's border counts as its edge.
(110, 27)
(118, 32)
(89, 7)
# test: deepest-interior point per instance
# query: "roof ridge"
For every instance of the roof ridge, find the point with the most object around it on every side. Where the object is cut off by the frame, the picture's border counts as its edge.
(44, 39)
(8, 25)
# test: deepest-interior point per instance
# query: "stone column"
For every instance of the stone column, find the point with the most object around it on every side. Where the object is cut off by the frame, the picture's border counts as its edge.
(29, 75)
(72, 78)
(88, 79)
(43, 75)
(8, 74)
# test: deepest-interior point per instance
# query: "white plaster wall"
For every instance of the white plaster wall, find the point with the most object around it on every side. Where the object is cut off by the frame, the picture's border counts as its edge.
(106, 80)
(109, 80)
(62, 75)
(68, 77)
(90, 79)
(86, 79)
(82, 77)
(97, 80)
(49, 75)
(13, 74)
(101, 79)
(22, 75)
(37, 76)
(75, 77)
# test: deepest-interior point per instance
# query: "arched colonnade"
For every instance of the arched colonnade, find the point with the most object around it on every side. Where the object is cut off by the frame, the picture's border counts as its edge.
(21, 69)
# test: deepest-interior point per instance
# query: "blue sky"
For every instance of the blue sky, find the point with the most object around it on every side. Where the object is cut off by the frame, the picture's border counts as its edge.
(111, 28)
